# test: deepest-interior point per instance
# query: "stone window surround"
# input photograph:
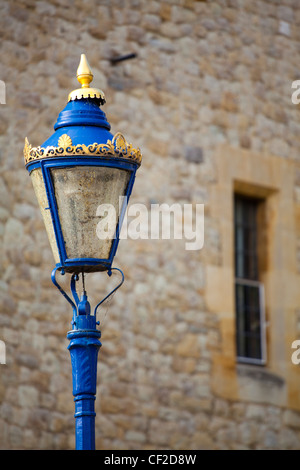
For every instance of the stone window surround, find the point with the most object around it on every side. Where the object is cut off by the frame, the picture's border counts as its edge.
(272, 178)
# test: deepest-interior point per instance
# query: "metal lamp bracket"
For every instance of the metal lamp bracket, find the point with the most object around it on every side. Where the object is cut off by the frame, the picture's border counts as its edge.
(81, 305)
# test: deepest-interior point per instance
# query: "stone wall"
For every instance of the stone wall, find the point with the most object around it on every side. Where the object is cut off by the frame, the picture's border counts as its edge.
(207, 73)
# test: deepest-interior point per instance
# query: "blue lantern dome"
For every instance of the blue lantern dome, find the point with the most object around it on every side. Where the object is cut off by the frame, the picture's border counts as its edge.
(83, 177)
(83, 121)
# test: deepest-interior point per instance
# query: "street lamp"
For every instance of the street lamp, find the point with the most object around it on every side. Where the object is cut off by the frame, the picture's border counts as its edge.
(79, 174)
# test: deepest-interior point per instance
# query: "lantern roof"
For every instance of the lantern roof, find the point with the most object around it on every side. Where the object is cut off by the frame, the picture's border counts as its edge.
(82, 127)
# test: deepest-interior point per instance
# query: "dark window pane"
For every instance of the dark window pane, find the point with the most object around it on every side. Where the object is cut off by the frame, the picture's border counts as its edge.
(246, 238)
(248, 321)
(247, 293)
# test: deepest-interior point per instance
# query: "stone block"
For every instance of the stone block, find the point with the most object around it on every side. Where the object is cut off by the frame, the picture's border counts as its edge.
(291, 418)
(256, 412)
(288, 439)
(189, 346)
(193, 154)
(135, 436)
(27, 396)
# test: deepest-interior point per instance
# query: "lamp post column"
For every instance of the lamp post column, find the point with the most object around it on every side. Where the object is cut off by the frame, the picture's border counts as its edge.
(79, 168)
(84, 346)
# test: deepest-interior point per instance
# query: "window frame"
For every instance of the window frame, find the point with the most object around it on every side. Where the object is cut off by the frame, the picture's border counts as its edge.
(262, 321)
(251, 283)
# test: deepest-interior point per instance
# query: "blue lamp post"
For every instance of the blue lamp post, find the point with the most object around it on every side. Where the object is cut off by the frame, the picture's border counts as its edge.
(83, 177)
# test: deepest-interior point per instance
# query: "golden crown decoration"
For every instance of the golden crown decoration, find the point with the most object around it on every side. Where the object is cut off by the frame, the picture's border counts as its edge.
(117, 147)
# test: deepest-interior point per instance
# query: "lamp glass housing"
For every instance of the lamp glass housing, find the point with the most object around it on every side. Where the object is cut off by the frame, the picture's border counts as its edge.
(83, 201)
(79, 192)
(80, 168)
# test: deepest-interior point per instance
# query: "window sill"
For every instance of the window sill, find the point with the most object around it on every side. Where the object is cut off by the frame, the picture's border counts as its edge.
(259, 374)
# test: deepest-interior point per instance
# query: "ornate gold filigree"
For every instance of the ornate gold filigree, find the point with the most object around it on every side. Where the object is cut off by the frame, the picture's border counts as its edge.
(117, 147)
(65, 141)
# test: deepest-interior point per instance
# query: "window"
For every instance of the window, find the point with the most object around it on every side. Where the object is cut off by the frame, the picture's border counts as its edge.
(249, 291)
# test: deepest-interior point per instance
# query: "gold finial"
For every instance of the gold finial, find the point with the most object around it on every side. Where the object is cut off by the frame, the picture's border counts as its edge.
(84, 73)
(85, 76)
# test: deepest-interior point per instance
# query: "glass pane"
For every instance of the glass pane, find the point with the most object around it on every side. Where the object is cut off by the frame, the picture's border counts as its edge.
(81, 192)
(248, 324)
(239, 242)
(238, 212)
(239, 264)
(40, 192)
(246, 261)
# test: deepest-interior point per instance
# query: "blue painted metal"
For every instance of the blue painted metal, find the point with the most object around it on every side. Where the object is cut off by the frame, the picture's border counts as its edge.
(109, 272)
(82, 306)
(84, 346)
(83, 121)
